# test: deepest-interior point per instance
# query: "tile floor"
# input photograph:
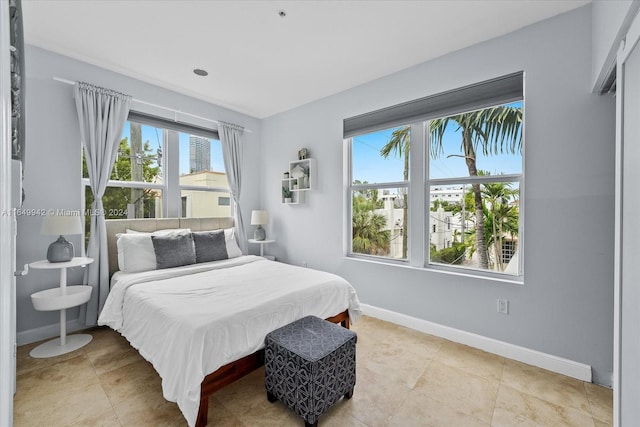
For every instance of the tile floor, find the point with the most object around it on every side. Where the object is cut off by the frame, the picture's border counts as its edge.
(404, 378)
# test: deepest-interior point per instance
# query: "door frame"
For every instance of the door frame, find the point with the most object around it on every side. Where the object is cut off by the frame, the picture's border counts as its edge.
(628, 45)
(7, 237)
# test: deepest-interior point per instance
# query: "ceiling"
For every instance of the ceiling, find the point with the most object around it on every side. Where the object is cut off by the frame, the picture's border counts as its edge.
(260, 63)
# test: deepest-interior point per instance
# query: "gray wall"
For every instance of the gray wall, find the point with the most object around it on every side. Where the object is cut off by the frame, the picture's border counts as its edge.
(53, 162)
(565, 306)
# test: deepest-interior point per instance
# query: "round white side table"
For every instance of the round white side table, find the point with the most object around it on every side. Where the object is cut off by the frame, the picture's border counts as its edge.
(61, 298)
(261, 243)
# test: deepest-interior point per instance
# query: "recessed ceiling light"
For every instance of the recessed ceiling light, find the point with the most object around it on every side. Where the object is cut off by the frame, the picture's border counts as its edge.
(282, 13)
(200, 72)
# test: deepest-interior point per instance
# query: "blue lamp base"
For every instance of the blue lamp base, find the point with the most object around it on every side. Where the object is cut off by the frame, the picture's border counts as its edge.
(260, 233)
(60, 251)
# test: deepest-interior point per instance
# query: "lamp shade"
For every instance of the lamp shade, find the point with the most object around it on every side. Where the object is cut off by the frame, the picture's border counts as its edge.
(259, 217)
(61, 224)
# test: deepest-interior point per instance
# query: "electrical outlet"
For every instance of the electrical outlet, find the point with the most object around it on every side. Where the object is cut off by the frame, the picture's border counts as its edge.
(503, 306)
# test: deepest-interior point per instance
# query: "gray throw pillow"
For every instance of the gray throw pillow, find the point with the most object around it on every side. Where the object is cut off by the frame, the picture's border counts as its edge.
(210, 245)
(173, 251)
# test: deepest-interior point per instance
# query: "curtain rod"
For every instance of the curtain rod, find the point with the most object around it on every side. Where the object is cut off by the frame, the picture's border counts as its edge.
(139, 101)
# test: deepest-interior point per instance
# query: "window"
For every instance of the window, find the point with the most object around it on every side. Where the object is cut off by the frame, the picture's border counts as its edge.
(466, 150)
(508, 250)
(380, 178)
(135, 187)
(481, 150)
(163, 169)
(203, 180)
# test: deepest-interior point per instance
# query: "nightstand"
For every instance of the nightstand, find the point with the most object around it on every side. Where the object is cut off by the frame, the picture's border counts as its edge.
(61, 298)
(262, 243)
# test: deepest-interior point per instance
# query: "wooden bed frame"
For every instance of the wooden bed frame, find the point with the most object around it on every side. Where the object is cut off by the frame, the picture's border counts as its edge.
(226, 374)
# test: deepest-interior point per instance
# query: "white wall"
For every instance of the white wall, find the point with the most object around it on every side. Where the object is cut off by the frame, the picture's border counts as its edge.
(565, 307)
(52, 166)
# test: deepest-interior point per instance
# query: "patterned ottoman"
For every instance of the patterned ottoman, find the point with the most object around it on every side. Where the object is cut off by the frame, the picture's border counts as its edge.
(309, 365)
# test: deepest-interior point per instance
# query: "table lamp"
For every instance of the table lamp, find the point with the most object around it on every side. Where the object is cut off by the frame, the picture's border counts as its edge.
(259, 218)
(61, 250)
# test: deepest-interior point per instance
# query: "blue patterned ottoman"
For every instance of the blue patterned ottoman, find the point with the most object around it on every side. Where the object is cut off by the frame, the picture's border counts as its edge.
(309, 365)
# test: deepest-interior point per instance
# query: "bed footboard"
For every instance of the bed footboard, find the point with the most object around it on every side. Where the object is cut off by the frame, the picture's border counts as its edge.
(223, 377)
(238, 369)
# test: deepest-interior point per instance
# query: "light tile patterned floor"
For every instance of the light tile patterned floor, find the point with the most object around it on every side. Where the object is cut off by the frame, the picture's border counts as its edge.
(404, 378)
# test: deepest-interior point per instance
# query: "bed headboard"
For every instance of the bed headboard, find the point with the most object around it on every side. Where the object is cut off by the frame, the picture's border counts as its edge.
(115, 226)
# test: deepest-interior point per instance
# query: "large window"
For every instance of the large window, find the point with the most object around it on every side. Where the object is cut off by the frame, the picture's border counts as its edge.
(458, 206)
(164, 169)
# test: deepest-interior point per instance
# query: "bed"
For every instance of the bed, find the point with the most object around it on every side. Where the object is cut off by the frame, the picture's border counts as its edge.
(202, 325)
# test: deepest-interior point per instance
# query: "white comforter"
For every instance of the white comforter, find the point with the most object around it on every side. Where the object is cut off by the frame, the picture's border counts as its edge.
(190, 321)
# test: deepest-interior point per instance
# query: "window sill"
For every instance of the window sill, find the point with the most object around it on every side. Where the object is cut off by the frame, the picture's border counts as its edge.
(473, 274)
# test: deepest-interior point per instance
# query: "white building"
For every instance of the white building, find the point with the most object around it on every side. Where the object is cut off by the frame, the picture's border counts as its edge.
(442, 224)
(441, 228)
(448, 194)
(205, 203)
(394, 220)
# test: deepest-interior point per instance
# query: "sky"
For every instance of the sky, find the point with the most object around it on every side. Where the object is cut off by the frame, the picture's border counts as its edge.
(154, 136)
(369, 166)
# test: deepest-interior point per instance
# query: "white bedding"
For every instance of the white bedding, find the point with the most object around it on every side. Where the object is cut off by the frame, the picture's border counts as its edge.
(190, 321)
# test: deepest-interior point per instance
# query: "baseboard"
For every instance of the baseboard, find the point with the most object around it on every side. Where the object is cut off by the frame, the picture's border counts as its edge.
(49, 331)
(546, 361)
(550, 362)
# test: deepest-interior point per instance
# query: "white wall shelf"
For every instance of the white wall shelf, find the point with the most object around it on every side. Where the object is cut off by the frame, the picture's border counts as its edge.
(302, 178)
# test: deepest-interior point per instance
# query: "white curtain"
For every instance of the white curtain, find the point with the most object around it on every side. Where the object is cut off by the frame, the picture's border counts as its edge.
(102, 114)
(231, 139)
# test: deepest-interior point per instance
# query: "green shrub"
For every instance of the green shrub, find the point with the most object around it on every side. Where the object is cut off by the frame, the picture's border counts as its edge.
(452, 255)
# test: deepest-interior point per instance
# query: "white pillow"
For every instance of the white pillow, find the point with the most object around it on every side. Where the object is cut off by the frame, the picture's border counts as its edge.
(164, 232)
(135, 249)
(135, 253)
(233, 251)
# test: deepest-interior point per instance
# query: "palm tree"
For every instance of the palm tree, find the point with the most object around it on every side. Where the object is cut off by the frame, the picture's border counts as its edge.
(502, 216)
(493, 130)
(488, 129)
(371, 196)
(369, 236)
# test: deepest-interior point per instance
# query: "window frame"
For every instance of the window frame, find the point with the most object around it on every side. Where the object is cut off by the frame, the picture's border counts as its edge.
(413, 239)
(519, 178)
(363, 187)
(170, 187)
(419, 183)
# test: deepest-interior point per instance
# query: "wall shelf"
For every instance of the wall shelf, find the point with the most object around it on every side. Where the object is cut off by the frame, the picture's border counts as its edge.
(302, 178)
